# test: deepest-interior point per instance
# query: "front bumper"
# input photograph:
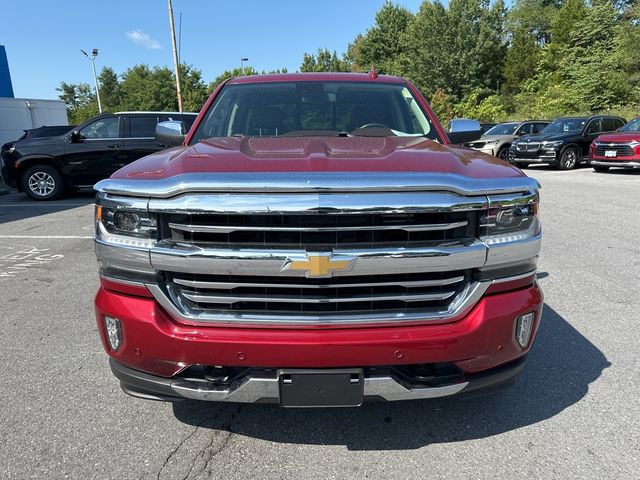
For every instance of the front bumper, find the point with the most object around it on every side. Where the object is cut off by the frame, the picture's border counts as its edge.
(608, 163)
(156, 349)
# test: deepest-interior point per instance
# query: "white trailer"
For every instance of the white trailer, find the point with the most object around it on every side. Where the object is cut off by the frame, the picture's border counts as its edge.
(19, 114)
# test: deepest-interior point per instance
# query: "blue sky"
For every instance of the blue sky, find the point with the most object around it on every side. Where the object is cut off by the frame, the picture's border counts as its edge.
(43, 38)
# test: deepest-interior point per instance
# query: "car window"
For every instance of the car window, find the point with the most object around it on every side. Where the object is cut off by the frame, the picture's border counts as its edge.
(632, 126)
(618, 123)
(526, 129)
(102, 128)
(308, 108)
(142, 127)
(503, 129)
(594, 127)
(608, 125)
(538, 127)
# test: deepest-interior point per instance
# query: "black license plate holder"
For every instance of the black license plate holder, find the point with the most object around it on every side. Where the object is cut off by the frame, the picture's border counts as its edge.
(321, 388)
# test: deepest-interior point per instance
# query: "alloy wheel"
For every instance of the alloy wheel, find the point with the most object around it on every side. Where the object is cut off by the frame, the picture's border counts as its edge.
(42, 184)
(570, 159)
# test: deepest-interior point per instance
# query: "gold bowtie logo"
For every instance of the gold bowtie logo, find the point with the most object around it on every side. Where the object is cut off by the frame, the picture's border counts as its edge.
(319, 264)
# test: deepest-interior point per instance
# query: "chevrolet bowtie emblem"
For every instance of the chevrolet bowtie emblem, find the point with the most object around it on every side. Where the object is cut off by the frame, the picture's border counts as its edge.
(319, 264)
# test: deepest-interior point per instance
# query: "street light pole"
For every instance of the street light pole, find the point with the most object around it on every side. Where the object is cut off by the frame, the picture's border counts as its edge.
(92, 58)
(175, 57)
(242, 60)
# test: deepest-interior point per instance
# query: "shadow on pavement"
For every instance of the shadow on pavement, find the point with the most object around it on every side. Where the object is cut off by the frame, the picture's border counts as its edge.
(560, 368)
(18, 206)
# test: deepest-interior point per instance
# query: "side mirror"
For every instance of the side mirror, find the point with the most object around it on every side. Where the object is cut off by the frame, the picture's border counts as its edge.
(463, 130)
(171, 133)
(75, 137)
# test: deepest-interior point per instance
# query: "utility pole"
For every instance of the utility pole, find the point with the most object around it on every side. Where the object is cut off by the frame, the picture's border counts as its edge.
(92, 58)
(176, 65)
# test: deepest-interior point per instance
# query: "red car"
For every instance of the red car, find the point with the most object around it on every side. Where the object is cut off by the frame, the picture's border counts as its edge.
(316, 240)
(618, 149)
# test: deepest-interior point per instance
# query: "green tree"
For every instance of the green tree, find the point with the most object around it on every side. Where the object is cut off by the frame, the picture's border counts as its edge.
(324, 61)
(382, 45)
(110, 93)
(80, 100)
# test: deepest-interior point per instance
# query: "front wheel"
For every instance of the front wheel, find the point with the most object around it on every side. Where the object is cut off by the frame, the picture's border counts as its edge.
(503, 154)
(601, 169)
(568, 159)
(42, 182)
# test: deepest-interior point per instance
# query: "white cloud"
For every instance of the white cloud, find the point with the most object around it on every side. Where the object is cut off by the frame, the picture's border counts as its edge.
(139, 37)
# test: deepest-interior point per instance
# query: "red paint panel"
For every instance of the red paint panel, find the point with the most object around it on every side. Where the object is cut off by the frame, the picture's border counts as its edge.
(154, 342)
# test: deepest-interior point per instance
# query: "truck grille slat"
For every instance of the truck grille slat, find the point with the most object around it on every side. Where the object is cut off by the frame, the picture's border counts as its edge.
(240, 228)
(216, 294)
(231, 285)
(319, 231)
(229, 299)
(621, 149)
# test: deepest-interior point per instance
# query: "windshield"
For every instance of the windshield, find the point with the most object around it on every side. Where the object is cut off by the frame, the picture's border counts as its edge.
(314, 109)
(632, 126)
(503, 129)
(565, 125)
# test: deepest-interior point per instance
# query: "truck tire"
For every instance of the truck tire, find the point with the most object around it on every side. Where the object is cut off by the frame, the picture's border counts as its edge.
(42, 182)
(601, 169)
(568, 159)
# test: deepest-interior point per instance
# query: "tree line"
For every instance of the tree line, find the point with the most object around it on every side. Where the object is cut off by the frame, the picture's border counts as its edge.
(472, 58)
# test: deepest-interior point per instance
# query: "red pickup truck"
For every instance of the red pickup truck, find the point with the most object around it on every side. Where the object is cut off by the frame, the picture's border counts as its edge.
(316, 240)
(618, 149)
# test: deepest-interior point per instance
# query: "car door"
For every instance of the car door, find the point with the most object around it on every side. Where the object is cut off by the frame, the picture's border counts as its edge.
(140, 136)
(95, 152)
(591, 131)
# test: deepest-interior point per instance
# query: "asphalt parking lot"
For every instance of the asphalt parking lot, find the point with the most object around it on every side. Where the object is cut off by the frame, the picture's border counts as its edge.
(573, 413)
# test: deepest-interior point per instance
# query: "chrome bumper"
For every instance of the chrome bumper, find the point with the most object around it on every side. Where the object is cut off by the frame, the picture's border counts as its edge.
(263, 388)
(631, 164)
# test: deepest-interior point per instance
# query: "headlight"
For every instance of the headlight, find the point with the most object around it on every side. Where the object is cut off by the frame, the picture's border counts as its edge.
(125, 222)
(554, 144)
(491, 142)
(12, 149)
(510, 218)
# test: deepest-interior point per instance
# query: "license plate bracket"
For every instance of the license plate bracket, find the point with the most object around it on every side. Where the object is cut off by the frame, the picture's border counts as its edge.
(610, 153)
(301, 388)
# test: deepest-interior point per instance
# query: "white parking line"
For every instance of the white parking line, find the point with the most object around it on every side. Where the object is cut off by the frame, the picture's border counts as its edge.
(47, 237)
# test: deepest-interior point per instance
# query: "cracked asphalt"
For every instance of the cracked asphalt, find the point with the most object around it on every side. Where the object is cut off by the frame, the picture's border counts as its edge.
(572, 414)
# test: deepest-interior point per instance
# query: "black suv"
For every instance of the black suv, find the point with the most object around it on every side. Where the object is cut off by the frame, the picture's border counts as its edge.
(564, 143)
(43, 167)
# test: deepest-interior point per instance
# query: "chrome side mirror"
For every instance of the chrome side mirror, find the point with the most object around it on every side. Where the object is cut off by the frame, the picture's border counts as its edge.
(171, 133)
(462, 130)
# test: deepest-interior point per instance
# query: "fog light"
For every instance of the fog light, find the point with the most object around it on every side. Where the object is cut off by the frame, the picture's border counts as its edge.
(524, 325)
(114, 332)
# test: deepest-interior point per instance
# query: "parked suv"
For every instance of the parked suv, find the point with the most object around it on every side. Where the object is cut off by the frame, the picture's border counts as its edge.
(43, 167)
(497, 140)
(564, 143)
(316, 240)
(618, 149)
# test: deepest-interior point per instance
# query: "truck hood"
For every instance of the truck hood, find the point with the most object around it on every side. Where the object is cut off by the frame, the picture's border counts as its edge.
(620, 137)
(317, 154)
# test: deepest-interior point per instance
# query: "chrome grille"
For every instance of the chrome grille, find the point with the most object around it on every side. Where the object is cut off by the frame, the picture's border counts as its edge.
(528, 147)
(320, 231)
(621, 149)
(221, 294)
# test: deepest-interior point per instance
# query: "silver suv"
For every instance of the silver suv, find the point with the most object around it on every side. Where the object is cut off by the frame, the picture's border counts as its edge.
(497, 140)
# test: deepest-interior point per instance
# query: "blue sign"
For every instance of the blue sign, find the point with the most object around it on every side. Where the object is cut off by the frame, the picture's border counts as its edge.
(6, 89)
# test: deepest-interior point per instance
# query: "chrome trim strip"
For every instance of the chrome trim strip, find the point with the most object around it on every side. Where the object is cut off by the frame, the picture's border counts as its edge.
(530, 273)
(268, 182)
(458, 307)
(131, 283)
(254, 389)
(231, 285)
(189, 259)
(630, 164)
(231, 299)
(314, 203)
(123, 258)
(242, 228)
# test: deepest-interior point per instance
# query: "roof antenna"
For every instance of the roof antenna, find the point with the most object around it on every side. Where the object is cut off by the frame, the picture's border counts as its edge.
(373, 74)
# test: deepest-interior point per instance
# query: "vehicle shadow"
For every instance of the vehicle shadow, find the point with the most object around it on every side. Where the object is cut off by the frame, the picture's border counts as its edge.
(560, 368)
(18, 206)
